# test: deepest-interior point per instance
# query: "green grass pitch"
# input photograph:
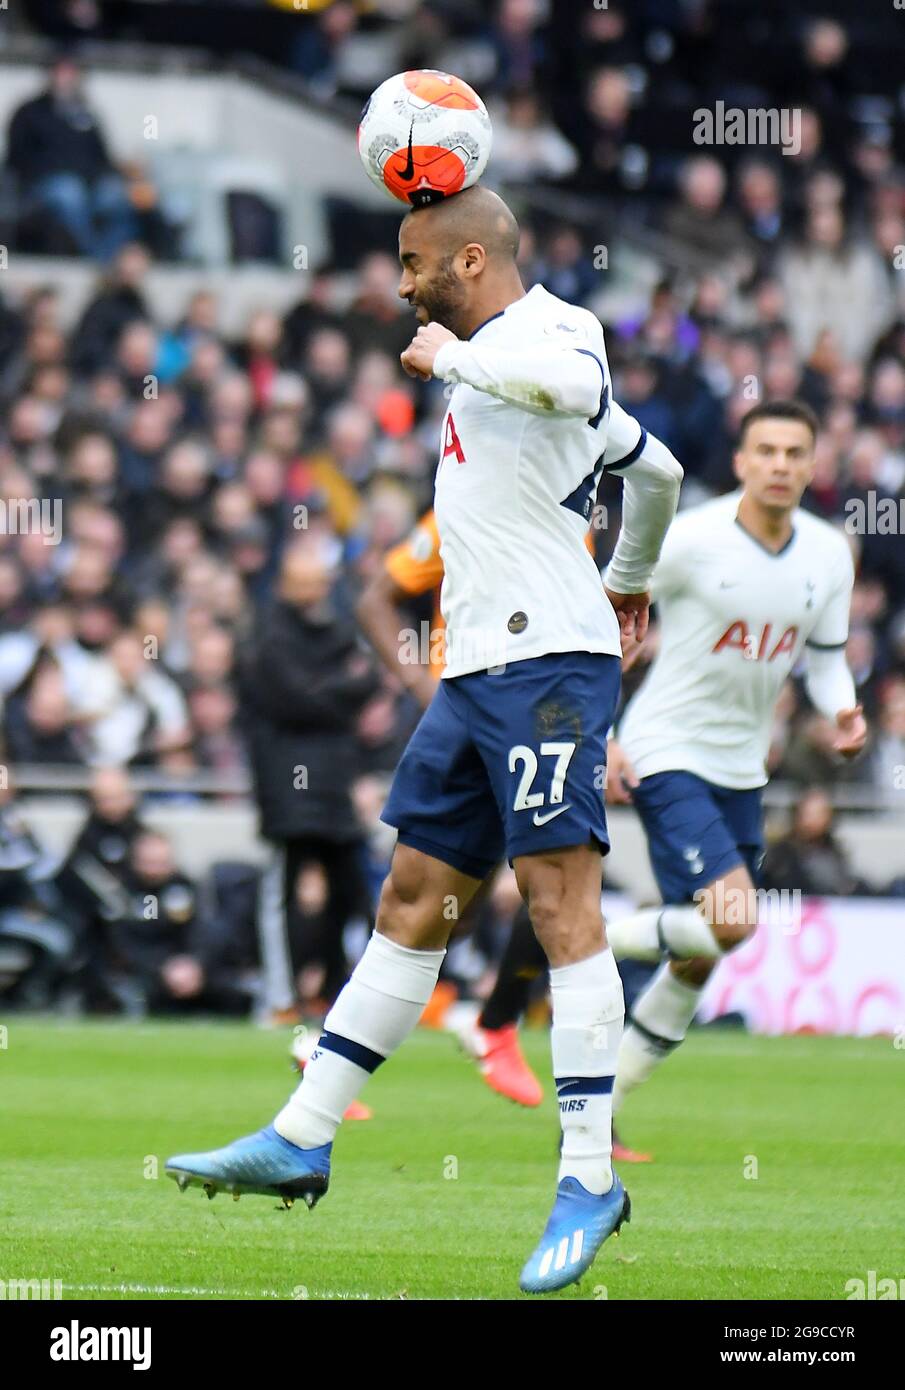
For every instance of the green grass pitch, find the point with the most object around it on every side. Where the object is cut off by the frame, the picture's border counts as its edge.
(445, 1192)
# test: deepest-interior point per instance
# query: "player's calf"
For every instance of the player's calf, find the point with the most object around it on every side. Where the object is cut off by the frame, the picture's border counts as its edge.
(562, 890)
(372, 1016)
(726, 914)
(384, 998)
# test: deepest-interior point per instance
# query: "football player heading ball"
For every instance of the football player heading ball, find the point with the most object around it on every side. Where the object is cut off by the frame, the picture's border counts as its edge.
(508, 758)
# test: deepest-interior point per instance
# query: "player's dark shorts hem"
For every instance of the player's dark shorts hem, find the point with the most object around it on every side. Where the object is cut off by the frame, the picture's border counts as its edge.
(465, 863)
(729, 861)
(537, 846)
(697, 831)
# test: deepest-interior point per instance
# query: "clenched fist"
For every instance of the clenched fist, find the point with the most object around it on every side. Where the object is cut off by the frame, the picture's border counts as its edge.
(418, 358)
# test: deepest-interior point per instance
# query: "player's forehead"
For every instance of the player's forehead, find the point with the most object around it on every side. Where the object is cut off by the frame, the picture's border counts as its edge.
(776, 433)
(414, 237)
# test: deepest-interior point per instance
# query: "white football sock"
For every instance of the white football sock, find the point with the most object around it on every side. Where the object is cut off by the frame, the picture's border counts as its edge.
(373, 1014)
(645, 935)
(659, 1020)
(587, 1026)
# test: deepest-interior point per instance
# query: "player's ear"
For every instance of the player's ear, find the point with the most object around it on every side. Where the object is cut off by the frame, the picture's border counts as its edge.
(738, 466)
(474, 258)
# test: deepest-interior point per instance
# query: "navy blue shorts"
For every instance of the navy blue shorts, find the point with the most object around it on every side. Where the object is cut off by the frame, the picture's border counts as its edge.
(696, 831)
(508, 764)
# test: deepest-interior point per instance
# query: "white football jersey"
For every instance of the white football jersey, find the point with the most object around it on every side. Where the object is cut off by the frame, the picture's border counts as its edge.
(734, 621)
(514, 492)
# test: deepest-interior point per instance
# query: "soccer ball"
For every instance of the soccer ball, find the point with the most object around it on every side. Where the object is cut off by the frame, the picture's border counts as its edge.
(424, 135)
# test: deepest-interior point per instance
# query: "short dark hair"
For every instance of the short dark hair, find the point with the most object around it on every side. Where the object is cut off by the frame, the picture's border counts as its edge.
(780, 410)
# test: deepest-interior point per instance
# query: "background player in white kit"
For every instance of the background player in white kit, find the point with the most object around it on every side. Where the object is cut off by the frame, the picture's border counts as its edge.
(508, 758)
(744, 586)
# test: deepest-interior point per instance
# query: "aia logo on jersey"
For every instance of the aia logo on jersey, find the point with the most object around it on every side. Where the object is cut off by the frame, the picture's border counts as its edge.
(756, 646)
(451, 444)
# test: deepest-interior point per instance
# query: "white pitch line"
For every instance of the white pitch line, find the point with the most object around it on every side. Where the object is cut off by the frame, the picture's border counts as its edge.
(206, 1293)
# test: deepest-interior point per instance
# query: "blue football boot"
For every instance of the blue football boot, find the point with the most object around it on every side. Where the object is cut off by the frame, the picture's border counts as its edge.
(264, 1163)
(579, 1224)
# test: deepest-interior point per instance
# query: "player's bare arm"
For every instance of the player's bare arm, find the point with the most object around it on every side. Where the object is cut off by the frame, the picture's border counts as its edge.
(378, 612)
(650, 496)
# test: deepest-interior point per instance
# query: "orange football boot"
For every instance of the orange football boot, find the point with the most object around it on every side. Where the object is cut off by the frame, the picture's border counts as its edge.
(502, 1064)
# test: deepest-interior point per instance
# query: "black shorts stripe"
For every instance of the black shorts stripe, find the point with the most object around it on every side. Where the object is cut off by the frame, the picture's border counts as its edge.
(827, 646)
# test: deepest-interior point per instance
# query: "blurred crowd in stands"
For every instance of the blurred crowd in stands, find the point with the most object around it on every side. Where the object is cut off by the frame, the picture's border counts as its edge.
(213, 494)
(183, 466)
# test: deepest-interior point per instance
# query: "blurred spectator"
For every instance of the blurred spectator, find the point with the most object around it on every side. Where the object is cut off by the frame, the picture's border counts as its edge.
(526, 144)
(808, 858)
(601, 129)
(35, 942)
(120, 301)
(154, 952)
(810, 759)
(316, 50)
(56, 148)
(517, 42)
(304, 680)
(567, 268)
(376, 318)
(138, 709)
(94, 871)
(888, 758)
(832, 282)
(760, 200)
(40, 721)
(702, 222)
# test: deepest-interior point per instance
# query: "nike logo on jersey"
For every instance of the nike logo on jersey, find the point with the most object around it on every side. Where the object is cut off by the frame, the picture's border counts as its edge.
(551, 815)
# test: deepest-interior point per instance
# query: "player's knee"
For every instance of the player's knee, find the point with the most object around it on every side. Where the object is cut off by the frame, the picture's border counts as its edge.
(410, 912)
(399, 908)
(730, 906)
